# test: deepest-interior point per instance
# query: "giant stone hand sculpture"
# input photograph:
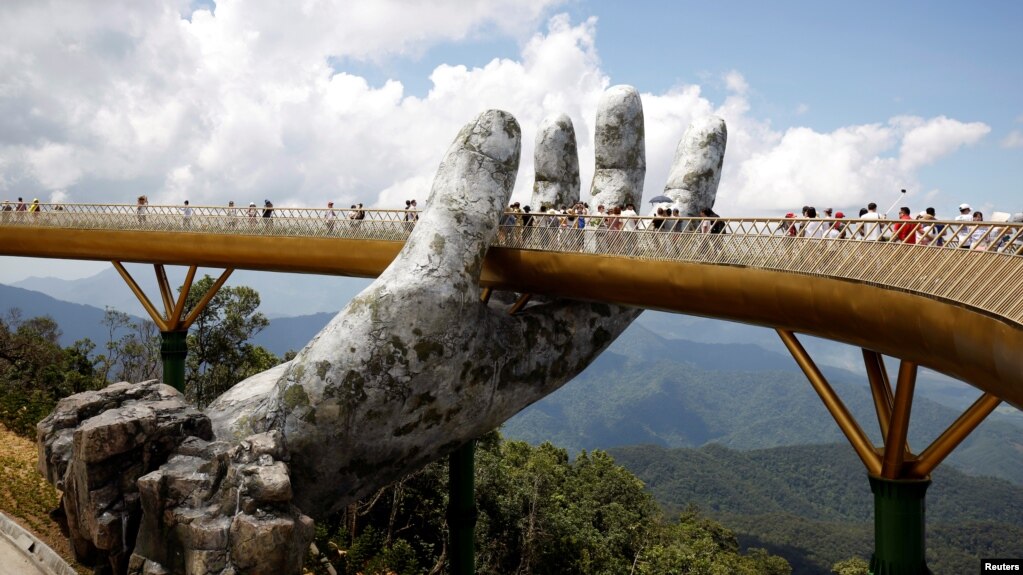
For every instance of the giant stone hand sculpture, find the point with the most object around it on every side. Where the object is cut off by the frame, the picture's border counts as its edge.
(412, 368)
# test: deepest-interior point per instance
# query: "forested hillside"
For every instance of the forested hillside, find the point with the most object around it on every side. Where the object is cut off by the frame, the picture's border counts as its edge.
(650, 390)
(812, 503)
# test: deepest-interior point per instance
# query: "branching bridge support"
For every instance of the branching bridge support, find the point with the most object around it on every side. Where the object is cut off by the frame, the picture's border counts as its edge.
(174, 321)
(898, 477)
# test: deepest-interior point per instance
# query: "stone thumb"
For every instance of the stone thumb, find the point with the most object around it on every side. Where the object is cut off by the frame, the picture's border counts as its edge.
(471, 189)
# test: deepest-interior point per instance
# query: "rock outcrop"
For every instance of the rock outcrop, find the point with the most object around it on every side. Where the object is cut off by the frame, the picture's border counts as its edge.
(219, 508)
(96, 445)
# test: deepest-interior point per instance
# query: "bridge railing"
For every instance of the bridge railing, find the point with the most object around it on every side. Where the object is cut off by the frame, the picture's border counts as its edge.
(979, 264)
(251, 220)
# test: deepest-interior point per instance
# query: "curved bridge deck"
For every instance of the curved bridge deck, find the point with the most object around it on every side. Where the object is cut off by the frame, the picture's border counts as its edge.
(957, 311)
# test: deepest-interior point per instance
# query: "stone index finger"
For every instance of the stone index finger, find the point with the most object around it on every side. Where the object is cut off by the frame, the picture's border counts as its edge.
(619, 149)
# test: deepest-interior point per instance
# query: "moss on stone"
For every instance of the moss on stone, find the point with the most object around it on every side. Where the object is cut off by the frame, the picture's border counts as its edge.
(427, 347)
(295, 396)
(437, 244)
(322, 367)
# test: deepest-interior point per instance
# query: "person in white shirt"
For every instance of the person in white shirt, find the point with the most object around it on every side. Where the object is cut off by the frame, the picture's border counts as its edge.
(813, 228)
(627, 214)
(965, 215)
(870, 230)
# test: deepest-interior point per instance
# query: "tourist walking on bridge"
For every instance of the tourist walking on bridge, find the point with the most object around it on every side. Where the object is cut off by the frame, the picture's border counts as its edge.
(902, 231)
(331, 217)
(963, 235)
(871, 229)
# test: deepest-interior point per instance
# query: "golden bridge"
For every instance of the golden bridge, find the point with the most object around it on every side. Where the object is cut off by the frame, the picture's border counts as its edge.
(955, 310)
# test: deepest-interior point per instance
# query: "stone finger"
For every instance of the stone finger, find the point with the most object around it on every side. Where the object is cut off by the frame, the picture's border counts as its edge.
(619, 149)
(556, 161)
(696, 169)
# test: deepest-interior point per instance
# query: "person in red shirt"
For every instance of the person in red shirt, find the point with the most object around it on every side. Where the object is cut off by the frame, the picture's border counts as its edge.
(903, 232)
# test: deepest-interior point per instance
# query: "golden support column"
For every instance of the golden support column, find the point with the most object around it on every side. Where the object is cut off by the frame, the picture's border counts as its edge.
(173, 327)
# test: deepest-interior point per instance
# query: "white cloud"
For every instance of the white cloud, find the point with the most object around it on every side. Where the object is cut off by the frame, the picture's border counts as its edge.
(735, 82)
(1013, 140)
(927, 140)
(253, 102)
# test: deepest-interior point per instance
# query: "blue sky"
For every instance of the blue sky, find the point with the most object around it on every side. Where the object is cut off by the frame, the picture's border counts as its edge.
(827, 103)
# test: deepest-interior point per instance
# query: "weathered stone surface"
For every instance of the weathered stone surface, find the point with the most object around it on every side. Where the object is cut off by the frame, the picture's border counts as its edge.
(222, 508)
(96, 445)
(696, 170)
(556, 162)
(620, 149)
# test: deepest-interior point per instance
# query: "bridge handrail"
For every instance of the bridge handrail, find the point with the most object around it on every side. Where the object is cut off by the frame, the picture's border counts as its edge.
(1004, 237)
(987, 277)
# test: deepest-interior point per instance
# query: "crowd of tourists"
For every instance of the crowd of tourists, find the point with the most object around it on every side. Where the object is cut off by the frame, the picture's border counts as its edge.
(967, 230)
(924, 228)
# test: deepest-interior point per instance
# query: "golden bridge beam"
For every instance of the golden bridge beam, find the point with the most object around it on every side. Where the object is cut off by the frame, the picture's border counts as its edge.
(937, 451)
(520, 303)
(880, 388)
(157, 318)
(898, 429)
(846, 422)
(206, 297)
(174, 318)
(165, 289)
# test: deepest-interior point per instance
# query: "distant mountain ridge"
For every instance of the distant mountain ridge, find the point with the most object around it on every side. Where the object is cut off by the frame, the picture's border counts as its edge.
(76, 321)
(281, 294)
(646, 389)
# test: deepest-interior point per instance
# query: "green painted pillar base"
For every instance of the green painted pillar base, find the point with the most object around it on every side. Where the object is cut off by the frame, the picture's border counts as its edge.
(899, 546)
(173, 350)
(461, 513)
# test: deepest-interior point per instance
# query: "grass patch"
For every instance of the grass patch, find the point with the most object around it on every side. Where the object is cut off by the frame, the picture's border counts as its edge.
(26, 497)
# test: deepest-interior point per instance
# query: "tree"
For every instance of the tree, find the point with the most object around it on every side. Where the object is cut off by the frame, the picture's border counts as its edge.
(852, 566)
(132, 349)
(219, 353)
(35, 371)
(539, 513)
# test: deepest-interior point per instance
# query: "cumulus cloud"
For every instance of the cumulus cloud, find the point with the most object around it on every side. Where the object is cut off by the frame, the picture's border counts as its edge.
(924, 141)
(255, 100)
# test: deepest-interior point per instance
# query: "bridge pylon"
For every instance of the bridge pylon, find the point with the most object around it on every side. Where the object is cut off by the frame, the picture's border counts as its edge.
(898, 477)
(173, 322)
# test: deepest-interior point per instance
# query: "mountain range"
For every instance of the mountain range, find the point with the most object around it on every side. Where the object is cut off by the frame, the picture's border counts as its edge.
(811, 504)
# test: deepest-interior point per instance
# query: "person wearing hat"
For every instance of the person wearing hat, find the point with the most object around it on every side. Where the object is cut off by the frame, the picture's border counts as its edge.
(331, 217)
(836, 231)
(268, 212)
(787, 225)
(965, 215)
(34, 208)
